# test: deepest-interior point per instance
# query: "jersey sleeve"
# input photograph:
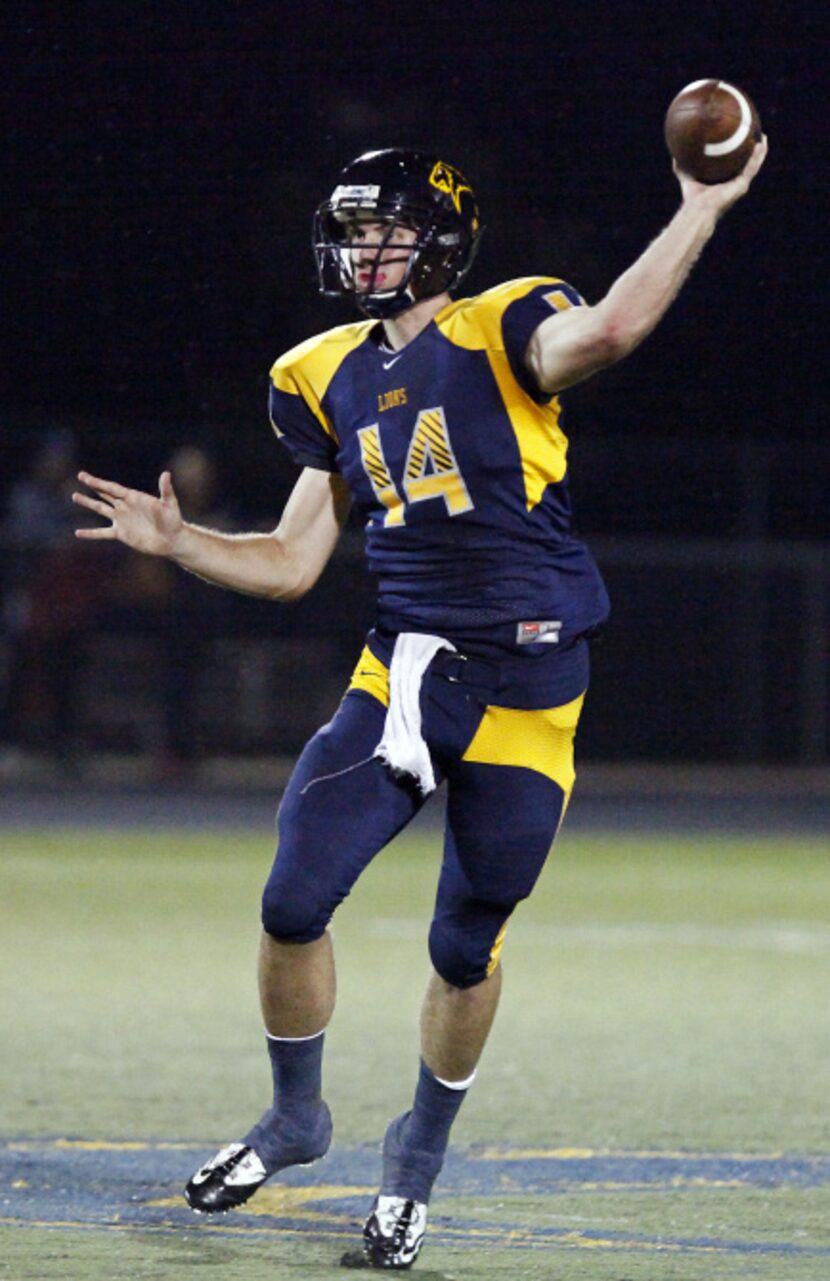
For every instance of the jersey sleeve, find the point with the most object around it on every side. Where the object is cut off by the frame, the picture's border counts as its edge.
(296, 424)
(523, 316)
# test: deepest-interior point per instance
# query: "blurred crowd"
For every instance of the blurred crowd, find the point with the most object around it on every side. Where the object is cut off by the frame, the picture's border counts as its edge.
(58, 591)
(106, 654)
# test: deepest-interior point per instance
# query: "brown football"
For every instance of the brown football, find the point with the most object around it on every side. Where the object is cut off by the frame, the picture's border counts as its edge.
(711, 129)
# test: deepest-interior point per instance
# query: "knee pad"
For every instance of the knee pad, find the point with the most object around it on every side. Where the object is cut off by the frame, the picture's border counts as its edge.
(464, 950)
(292, 914)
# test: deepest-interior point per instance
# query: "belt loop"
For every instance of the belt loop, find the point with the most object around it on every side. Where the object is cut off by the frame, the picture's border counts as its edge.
(457, 680)
(466, 669)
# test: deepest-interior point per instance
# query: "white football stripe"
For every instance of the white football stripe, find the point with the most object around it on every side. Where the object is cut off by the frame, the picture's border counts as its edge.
(740, 135)
(694, 85)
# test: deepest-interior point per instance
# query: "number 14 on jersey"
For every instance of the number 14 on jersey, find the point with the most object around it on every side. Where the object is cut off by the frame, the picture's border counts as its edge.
(431, 469)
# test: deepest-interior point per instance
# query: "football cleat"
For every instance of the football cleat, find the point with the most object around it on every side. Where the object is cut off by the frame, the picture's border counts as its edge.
(394, 1232)
(231, 1177)
(226, 1181)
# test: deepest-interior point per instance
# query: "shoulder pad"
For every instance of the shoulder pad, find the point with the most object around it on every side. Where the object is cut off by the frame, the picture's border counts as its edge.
(475, 323)
(317, 359)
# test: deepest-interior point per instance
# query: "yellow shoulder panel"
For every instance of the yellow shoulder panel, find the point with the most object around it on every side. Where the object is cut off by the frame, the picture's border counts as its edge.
(475, 323)
(543, 445)
(307, 369)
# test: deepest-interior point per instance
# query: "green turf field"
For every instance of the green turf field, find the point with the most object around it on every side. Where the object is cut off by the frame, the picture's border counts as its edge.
(652, 1103)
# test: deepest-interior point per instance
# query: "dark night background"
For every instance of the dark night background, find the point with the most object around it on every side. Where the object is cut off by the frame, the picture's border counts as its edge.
(161, 166)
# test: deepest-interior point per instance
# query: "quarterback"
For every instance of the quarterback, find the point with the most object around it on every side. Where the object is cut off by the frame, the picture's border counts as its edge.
(438, 420)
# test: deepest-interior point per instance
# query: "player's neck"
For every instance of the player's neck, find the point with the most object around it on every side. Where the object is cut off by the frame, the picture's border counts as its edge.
(401, 329)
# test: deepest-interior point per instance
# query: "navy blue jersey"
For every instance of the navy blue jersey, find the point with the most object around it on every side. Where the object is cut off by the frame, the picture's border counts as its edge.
(457, 463)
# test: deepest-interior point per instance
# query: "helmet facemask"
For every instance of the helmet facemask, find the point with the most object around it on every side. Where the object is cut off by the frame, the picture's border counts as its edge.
(428, 261)
(354, 254)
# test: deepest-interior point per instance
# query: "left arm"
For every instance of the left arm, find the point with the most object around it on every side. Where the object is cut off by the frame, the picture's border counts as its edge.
(573, 344)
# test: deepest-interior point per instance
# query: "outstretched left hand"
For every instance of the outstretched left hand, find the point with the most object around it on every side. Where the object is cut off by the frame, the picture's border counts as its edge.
(140, 520)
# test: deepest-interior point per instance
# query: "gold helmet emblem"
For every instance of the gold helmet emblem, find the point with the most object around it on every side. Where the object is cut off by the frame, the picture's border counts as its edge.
(450, 181)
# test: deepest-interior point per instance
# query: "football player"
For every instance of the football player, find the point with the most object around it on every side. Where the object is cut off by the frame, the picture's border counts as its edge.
(439, 421)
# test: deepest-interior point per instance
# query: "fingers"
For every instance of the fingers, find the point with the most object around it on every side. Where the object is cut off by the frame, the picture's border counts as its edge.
(753, 164)
(93, 504)
(757, 158)
(739, 185)
(100, 509)
(166, 491)
(103, 486)
(102, 531)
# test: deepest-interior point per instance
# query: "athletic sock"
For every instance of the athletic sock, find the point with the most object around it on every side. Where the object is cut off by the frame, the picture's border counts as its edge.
(296, 1069)
(435, 1108)
(416, 1142)
(297, 1072)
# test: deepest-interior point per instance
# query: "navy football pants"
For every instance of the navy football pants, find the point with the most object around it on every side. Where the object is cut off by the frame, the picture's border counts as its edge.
(508, 771)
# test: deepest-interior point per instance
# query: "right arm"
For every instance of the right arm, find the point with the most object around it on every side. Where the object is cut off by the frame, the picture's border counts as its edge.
(576, 343)
(282, 565)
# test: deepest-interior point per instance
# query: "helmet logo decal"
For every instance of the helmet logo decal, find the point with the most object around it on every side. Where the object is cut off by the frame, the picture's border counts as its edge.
(365, 194)
(450, 181)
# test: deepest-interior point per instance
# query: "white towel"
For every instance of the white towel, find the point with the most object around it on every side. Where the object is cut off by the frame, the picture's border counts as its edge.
(402, 745)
